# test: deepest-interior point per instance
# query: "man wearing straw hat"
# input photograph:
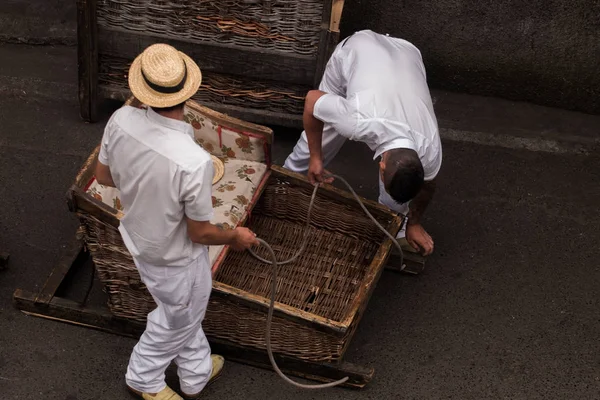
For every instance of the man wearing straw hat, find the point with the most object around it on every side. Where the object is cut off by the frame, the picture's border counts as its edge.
(165, 182)
(374, 90)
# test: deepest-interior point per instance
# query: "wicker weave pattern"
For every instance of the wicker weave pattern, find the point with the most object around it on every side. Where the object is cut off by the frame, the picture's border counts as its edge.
(291, 26)
(238, 324)
(324, 281)
(221, 89)
(289, 201)
(328, 275)
(129, 298)
(127, 295)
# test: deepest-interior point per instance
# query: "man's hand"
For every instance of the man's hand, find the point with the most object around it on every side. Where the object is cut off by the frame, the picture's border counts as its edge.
(203, 232)
(314, 136)
(415, 234)
(244, 239)
(316, 172)
(419, 239)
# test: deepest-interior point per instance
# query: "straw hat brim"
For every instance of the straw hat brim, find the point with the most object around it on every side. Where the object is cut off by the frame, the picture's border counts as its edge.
(219, 169)
(144, 93)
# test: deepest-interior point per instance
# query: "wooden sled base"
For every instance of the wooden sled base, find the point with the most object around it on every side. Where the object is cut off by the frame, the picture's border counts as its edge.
(72, 312)
(414, 263)
(49, 304)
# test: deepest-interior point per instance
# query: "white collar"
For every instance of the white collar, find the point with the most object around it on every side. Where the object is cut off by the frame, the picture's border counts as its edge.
(171, 123)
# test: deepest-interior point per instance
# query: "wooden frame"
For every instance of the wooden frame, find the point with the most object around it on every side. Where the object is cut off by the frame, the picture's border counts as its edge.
(412, 263)
(87, 58)
(247, 114)
(330, 36)
(48, 304)
(251, 63)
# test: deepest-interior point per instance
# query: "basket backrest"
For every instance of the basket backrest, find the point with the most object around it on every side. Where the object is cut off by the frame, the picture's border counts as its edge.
(224, 136)
(219, 134)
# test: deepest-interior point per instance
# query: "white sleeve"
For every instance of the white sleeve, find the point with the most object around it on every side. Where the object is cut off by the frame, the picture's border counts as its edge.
(434, 164)
(342, 114)
(335, 77)
(196, 193)
(103, 154)
(332, 78)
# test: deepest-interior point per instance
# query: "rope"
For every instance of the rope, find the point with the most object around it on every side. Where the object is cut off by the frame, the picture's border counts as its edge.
(275, 263)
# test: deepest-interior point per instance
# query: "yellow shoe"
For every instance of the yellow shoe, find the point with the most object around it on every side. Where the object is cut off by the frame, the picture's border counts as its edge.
(217, 368)
(166, 394)
(218, 362)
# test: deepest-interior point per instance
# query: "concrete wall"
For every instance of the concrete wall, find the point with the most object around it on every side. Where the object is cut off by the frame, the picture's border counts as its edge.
(543, 51)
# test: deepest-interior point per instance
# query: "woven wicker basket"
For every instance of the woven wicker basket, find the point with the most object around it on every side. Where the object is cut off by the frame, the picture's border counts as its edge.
(274, 97)
(258, 57)
(282, 25)
(320, 297)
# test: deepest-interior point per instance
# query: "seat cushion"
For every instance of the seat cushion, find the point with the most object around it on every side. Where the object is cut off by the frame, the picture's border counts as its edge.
(225, 142)
(230, 196)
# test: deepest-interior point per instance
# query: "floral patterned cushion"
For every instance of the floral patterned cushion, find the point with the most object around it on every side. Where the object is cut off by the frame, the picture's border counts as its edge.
(230, 196)
(233, 193)
(225, 142)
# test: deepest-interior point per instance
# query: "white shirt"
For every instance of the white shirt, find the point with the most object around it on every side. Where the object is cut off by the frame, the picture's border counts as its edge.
(162, 175)
(379, 95)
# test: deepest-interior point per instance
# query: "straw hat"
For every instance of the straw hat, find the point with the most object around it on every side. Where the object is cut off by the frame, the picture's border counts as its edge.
(163, 77)
(219, 169)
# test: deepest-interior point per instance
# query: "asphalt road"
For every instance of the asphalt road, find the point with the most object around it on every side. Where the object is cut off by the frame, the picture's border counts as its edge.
(506, 309)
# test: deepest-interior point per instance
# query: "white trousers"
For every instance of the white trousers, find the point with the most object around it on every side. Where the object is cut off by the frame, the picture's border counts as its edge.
(299, 159)
(174, 329)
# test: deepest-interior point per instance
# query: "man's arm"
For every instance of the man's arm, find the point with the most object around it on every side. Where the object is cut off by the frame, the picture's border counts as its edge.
(420, 202)
(103, 175)
(203, 232)
(416, 236)
(314, 135)
(196, 195)
(102, 172)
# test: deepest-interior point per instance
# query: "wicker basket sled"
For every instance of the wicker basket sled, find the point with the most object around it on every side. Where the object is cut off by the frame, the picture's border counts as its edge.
(258, 57)
(320, 297)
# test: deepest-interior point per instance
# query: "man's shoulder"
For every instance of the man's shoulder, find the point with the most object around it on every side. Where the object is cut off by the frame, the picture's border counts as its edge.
(186, 154)
(176, 146)
(363, 35)
(126, 112)
(194, 157)
(125, 119)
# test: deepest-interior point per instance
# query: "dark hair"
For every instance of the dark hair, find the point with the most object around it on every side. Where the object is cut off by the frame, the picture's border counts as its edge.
(403, 175)
(168, 109)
